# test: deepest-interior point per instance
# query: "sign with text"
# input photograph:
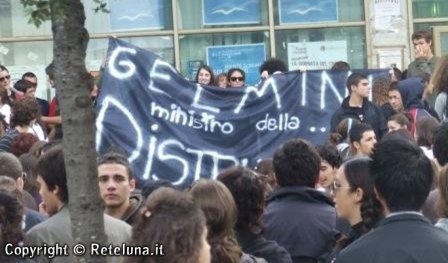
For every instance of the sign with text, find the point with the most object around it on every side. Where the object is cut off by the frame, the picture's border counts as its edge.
(247, 57)
(316, 55)
(230, 12)
(307, 11)
(180, 131)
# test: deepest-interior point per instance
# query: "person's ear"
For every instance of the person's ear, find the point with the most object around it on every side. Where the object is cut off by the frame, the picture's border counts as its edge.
(359, 194)
(357, 145)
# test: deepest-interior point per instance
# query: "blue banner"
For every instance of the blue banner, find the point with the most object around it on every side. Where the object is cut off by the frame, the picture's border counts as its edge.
(135, 14)
(307, 11)
(179, 131)
(230, 12)
(247, 57)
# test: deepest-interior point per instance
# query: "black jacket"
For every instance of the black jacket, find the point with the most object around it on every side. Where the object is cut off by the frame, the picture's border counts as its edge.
(368, 113)
(402, 238)
(302, 220)
(257, 245)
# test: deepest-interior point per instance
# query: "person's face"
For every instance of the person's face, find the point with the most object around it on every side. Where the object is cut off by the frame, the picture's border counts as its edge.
(204, 252)
(347, 201)
(367, 143)
(5, 79)
(31, 92)
(115, 186)
(326, 174)
(421, 44)
(204, 77)
(362, 89)
(49, 197)
(393, 126)
(222, 82)
(236, 79)
(395, 100)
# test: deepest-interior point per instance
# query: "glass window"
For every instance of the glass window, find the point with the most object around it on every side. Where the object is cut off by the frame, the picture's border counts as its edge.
(352, 39)
(216, 14)
(430, 9)
(427, 26)
(346, 10)
(161, 45)
(193, 48)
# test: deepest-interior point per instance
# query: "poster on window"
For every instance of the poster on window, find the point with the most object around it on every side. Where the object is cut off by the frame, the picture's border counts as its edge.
(230, 12)
(316, 55)
(307, 11)
(247, 57)
(136, 14)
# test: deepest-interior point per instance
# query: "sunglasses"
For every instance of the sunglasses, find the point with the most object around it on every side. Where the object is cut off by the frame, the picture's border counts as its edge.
(236, 78)
(5, 77)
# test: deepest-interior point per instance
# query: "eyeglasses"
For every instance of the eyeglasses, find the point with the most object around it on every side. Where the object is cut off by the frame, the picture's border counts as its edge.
(5, 77)
(236, 78)
(335, 186)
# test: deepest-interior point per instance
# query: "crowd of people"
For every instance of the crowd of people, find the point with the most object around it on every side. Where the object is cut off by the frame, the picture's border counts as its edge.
(375, 191)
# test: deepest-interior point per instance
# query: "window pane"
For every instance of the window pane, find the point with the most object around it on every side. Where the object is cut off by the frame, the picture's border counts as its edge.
(191, 16)
(193, 48)
(430, 9)
(352, 38)
(444, 42)
(347, 10)
(427, 26)
(162, 46)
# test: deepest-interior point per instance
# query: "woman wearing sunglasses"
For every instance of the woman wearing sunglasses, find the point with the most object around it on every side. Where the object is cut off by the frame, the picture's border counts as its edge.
(236, 77)
(355, 200)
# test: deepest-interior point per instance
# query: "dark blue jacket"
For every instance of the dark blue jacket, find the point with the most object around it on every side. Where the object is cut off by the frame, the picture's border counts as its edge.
(368, 113)
(401, 238)
(302, 220)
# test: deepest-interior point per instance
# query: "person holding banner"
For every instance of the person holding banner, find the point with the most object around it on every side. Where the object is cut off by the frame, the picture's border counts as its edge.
(205, 75)
(236, 77)
(357, 106)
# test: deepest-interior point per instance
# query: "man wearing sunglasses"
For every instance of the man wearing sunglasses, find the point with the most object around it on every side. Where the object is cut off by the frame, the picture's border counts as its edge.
(5, 79)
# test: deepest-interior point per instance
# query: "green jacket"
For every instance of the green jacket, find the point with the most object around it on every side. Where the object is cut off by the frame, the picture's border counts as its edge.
(420, 66)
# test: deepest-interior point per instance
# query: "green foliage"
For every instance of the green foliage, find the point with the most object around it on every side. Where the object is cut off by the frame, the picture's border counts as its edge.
(40, 11)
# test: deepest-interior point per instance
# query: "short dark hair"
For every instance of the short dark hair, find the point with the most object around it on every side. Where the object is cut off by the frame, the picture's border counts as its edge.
(113, 157)
(209, 70)
(273, 65)
(402, 174)
(330, 154)
(357, 130)
(51, 168)
(11, 218)
(28, 75)
(426, 34)
(354, 79)
(10, 165)
(341, 65)
(23, 85)
(49, 70)
(249, 193)
(440, 144)
(296, 163)
(393, 86)
(173, 219)
(24, 111)
(3, 68)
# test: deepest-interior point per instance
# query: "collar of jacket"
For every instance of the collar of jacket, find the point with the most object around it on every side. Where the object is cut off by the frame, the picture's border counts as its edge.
(299, 193)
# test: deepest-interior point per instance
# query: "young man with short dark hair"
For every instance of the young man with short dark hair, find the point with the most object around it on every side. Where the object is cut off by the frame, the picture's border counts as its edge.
(53, 190)
(425, 61)
(403, 177)
(117, 187)
(362, 139)
(298, 217)
(358, 106)
(44, 105)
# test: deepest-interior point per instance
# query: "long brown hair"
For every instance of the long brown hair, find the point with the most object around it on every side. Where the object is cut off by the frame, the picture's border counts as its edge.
(221, 214)
(440, 75)
(442, 207)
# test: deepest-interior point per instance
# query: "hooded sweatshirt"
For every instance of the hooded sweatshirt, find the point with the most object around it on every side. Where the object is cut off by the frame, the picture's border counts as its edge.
(411, 91)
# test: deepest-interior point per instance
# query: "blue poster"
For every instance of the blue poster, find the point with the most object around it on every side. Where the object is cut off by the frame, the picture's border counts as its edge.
(230, 12)
(306, 11)
(248, 57)
(176, 130)
(136, 14)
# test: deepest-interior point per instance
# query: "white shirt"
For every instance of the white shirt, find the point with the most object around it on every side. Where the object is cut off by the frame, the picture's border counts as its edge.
(5, 110)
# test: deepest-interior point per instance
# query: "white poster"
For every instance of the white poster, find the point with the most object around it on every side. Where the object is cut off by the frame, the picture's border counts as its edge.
(384, 10)
(390, 56)
(316, 55)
